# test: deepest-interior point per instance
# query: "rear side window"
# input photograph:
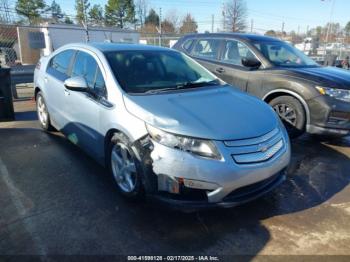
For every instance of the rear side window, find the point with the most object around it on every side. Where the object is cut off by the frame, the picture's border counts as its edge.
(86, 66)
(187, 44)
(59, 65)
(207, 48)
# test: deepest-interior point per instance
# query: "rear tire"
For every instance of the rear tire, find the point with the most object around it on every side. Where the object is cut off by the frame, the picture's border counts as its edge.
(292, 114)
(125, 168)
(43, 113)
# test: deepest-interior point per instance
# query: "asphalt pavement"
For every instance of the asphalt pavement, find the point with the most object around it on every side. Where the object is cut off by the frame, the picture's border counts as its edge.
(55, 200)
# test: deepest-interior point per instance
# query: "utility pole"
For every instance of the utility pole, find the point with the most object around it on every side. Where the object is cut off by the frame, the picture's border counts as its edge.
(212, 23)
(251, 25)
(160, 26)
(282, 28)
(329, 27)
(85, 23)
(223, 18)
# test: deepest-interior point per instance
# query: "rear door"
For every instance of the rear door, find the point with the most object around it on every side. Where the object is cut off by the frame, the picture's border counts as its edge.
(206, 51)
(231, 69)
(56, 73)
(84, 110)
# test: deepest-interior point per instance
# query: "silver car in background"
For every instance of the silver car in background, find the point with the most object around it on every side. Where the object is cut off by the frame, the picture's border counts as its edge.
(163, 125)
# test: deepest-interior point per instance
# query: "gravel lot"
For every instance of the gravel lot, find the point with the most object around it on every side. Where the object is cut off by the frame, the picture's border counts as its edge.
(54, 199)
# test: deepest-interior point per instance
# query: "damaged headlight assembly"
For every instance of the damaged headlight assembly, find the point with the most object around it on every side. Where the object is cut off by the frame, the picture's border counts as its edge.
(199, 147)
(339, 94)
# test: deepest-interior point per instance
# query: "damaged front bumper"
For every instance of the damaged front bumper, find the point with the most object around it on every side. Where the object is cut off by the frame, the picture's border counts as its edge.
(236, 198)
(192, 182)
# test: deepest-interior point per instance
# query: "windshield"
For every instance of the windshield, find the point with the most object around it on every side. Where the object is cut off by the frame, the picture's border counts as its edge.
(282, 54)
(140, 71)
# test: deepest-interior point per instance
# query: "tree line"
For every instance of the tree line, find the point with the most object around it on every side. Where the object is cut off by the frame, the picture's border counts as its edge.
(131, 14)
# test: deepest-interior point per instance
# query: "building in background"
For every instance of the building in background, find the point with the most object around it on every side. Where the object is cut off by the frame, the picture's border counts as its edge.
(30, 42)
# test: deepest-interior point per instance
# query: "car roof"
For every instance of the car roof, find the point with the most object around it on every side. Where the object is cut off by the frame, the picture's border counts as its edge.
(107, 47)
(247, 37)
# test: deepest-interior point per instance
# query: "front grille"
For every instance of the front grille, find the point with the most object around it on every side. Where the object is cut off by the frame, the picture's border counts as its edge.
(258, 149)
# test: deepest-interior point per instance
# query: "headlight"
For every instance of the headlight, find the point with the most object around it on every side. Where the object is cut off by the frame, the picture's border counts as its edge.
(200, 147)
(340, 94)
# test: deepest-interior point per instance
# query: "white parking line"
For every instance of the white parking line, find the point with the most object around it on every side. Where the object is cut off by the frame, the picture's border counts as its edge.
(15, 195)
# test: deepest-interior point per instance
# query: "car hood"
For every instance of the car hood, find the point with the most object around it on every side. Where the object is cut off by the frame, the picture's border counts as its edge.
(324, 76)
(219, 113)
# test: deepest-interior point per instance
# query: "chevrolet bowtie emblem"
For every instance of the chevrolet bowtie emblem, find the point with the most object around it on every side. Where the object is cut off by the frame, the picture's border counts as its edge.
(263, 148)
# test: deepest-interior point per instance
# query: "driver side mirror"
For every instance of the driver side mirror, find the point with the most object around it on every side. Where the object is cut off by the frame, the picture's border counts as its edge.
(251, 63)
(77, 83)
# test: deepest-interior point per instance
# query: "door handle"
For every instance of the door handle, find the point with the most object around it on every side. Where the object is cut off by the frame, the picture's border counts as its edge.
(220, 70)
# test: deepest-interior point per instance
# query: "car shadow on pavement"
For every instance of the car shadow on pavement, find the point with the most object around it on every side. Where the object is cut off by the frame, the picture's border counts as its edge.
(80, 212)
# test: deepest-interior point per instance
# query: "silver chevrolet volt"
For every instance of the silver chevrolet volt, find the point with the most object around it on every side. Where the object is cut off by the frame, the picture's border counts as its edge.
(164, 126)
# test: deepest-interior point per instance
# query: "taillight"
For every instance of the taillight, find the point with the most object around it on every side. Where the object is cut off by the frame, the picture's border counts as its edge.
(38, 65)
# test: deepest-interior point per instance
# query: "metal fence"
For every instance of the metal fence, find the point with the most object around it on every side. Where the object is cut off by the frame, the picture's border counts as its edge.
(20, 44)
(8, 45)
(165, 40)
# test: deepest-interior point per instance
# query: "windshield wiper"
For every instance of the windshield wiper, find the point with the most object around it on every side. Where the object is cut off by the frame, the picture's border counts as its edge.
(197, 84)
(182, 86)
(160, 90)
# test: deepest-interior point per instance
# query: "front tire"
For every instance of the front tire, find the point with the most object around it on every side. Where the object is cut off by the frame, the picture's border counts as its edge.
(125, 167)
(292, 114)
(43, 113)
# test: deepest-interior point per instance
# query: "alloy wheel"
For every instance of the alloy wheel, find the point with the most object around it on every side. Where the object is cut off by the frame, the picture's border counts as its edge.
(123, 167)
(42, 111)
(286, 113)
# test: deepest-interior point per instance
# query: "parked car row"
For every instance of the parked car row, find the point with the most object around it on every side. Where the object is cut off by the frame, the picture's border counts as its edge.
(305, 95)
(168, 128)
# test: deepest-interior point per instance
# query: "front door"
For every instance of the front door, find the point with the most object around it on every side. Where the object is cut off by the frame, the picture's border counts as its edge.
(84, 109)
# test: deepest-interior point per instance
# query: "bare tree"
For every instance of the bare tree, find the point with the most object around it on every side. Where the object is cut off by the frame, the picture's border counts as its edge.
(168, 27)
(235, 15)
(173, 17)
(188, 25)
(141, 7)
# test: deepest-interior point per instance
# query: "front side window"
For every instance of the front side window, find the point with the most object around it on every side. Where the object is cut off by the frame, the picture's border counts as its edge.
(207, 48)
(59, 64)
(235, 51)
(142, 71)
(86, 66)
(282, 54)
